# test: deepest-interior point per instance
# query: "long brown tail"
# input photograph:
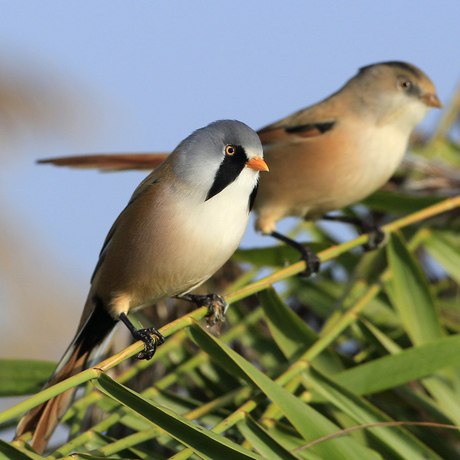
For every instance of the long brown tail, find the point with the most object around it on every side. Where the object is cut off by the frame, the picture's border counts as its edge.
(43, 419)
(110, 162)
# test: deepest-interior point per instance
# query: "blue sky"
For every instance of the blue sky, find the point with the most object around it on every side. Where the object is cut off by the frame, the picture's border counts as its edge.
(140, 76)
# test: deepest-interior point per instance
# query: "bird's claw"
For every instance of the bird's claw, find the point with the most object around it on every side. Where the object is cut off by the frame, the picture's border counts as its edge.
(376, 238)
(150, 343)
(217, 306)
(312, 262)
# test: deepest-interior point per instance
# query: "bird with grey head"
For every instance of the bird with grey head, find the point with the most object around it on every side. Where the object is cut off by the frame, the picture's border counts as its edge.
(182, 223)
(329, 155)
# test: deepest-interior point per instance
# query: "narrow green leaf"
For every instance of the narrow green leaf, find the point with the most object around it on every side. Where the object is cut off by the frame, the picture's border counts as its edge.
(290, 439)
(411, 294)
(444, 395)
(307, 421)
(446, 251)
(262, 441)
(394, 370)
(103, 446)
(291, 334)
(92, 457)
(13, 452)
(23, 376)
(384, 342)
(202, 441)
(396, 439)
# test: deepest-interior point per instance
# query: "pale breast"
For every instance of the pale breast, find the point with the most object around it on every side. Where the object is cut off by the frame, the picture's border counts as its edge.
(168, 249)
(314, 176)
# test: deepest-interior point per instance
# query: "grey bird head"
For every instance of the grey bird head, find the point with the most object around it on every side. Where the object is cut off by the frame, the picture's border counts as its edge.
(213, 157)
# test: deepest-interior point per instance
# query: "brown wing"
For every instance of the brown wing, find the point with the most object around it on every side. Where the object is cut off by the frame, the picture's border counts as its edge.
(270, 135)
(110, 162)
(309, 122)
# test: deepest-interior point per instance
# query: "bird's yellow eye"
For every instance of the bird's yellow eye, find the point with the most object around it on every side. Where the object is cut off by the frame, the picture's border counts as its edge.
(230, 150)
(405, 84)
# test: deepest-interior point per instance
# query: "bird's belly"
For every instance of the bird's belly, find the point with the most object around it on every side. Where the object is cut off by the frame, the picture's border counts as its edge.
(186, 248)
(308, 179)
(363, 174)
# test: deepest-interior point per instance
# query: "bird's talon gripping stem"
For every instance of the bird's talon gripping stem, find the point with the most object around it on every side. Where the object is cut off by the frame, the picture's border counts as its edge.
(310, 258)
(216, 305)
(150, 343)
(376, 237)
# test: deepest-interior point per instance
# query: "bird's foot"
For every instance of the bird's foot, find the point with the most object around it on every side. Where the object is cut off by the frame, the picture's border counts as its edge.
(312, 261)
(376, 237)
(150, 343)
(216, 305)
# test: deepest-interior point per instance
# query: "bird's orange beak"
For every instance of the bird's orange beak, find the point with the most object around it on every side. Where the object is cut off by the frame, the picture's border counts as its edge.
(431, 100)
(257, 164)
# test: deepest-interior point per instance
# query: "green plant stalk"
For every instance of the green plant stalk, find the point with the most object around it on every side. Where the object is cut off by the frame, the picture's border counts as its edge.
(347, 319)
(334, 251)
(294, 371)
(141, 436)
(199, 313)
(95, 371)
(142, 364)
(79, 415)
(146, 435)
(49, 393)
(127, 442)
(130, 373)
(172, 378)
(272, 412)
(242, 280)
(151, 392)
(241, 412)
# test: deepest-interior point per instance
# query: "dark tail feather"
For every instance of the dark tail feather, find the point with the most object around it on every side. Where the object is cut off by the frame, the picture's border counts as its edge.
(43, 419)
(110, 162)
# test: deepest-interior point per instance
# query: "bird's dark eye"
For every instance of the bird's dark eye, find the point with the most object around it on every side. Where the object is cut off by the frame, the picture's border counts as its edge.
(230, 150)
(405, 84)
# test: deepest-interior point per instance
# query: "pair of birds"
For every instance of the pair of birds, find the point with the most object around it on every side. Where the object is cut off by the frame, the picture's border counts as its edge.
(188, 216)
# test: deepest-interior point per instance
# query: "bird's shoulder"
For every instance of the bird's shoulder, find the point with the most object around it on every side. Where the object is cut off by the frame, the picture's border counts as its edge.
(312, 121)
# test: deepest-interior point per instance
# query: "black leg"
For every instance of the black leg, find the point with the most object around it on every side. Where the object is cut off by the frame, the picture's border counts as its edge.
(307, 255)
(376, 234)
(146, 336)
(216, 305)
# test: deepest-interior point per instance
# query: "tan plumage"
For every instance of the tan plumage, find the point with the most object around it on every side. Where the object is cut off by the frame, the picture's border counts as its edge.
(342, 149)
(181, 225)
(104, 162)
(333, 153)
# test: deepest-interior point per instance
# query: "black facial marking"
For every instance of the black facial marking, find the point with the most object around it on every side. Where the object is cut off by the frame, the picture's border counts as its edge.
(229, 170)
(321, 127)
(252, 196)
(413, 90)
